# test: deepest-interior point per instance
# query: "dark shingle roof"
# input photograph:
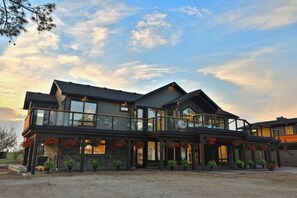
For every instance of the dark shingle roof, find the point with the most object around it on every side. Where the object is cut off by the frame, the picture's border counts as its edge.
(38, 97)
(226, 113)
(79, 90)
(277, 122)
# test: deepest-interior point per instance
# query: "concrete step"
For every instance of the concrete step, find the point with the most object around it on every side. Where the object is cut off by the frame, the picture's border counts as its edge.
(17, 168)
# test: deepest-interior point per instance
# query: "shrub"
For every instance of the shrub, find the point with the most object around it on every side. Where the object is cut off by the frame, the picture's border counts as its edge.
(270, 166)
(69, 164)
(184, 164)
(117, 164)
(95, 164)
(211, 164)
(251, 163)
(239, 163)
(273, 161)
(48, 165)
(171, 164)
(262, 162)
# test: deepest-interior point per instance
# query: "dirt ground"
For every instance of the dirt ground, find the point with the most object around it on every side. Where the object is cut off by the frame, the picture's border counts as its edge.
(150, 183)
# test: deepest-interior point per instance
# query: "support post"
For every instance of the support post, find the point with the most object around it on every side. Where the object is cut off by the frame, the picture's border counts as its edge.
(30, 159)
(129, 146)
(25, 161)
(82, 155)
(244, 155)
(162, 154)
(193, 155)
(229, 153)
(278, 158)
(202, 150)
(254, 159)
(34, 156)
(269, 154)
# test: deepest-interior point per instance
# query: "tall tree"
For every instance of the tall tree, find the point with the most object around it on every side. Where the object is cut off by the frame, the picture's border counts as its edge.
(13, 17)
(8, 138)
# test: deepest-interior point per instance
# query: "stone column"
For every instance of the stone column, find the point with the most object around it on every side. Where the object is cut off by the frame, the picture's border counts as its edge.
(202, 150)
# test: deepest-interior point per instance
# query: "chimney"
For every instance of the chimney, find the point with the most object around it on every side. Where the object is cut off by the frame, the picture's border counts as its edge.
(281, 118)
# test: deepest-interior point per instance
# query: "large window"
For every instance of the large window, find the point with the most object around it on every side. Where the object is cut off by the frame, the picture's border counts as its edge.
(223, 156)
(289, 130)
(84, 115)
(95, 147)
(151, 147)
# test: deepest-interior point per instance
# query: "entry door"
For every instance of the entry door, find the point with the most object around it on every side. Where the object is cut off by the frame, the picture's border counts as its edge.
(140, 122)
(223, 154)
(139, 157)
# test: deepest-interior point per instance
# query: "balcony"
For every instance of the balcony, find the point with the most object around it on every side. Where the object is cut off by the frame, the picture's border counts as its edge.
(57, 118)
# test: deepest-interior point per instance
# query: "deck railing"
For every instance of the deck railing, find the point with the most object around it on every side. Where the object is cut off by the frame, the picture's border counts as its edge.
(52, 117)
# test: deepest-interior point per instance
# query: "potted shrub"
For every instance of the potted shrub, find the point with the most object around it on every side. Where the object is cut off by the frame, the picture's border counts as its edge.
(270, 166)
(69, 164)
(171, 164)
(48, 165)
(273, 162)
(262, 162)
(117, 164)
(239, 163)
(251, 163)
(95, 164)
(211, 164)
(184, 164)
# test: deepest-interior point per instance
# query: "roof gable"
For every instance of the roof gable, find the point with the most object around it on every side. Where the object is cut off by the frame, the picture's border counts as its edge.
(80, 90)
(172, 84)
(38, 97)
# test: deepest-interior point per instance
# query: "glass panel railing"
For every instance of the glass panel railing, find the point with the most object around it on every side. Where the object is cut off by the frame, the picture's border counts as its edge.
(208, 121)
(198, 121)
(240, 125)
(232, 124)
(40, 117)
(104, 122)
(180, 124)
(121, 124)
(60, 118)
(151, 124)
(219, 123)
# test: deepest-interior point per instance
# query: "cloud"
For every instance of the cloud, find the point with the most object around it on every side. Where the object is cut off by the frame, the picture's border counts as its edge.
(263, 91)
(152, 31)
(125, 74)
(261, 15)
(195, 11)
(91, 31)
(247, 72)
(9, 114)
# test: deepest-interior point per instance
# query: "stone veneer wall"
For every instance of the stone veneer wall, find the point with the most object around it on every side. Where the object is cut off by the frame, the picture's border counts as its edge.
(288, 158)
(111, 154)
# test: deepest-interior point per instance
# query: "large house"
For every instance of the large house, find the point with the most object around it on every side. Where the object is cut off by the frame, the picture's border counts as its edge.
(287, 131)
(85, 122)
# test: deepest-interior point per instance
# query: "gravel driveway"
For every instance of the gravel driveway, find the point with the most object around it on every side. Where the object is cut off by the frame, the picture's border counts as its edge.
(151, 184)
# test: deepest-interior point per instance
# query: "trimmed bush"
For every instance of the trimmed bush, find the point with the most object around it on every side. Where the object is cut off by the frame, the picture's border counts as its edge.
(171, 164)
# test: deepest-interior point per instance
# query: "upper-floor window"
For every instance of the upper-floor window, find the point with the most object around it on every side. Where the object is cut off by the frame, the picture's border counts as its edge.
(188, 112)
(85, 113)
(289, 130)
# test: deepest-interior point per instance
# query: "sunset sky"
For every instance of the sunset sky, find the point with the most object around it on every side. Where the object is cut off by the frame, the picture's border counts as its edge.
(243, 54)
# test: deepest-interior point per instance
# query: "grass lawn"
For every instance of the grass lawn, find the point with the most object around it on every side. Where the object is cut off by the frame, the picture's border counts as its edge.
(13, 158)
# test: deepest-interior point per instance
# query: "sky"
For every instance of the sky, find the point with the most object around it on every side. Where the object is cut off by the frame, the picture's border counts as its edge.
(241, 53)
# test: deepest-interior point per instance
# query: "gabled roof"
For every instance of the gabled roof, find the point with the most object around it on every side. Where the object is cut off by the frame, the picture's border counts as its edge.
(93, 92)
(278, 122)
(174, 84)
(191, 95)
(38, 97)
(226, 113)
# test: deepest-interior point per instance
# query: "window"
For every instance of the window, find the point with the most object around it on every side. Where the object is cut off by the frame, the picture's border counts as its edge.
(124, 108)
(188, 112)
(84, 115)
(151, 147)
(289, 130)
(95, 147)
(223, 156)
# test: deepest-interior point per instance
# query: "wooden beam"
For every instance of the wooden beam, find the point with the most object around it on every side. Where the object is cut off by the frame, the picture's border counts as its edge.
(30, 158)
(129, 146)
(25, 160)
